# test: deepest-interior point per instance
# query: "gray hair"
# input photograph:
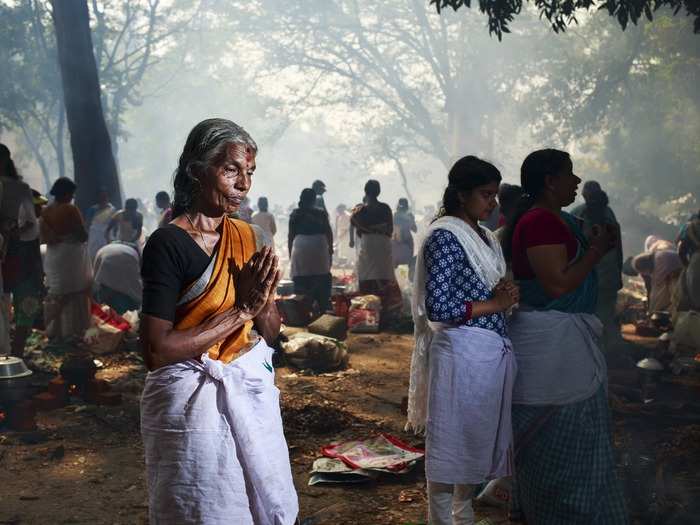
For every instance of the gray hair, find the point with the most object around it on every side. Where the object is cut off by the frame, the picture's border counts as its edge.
(206, 147)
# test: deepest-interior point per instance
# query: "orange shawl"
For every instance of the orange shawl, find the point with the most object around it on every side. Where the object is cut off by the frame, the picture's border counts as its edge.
(236, 247)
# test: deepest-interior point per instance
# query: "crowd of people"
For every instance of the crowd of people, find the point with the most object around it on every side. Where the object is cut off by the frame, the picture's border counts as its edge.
(57, 261)
(513, 303)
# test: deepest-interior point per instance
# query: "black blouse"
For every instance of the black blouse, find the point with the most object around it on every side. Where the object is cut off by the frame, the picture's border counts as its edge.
(308, 222)
(171, 261)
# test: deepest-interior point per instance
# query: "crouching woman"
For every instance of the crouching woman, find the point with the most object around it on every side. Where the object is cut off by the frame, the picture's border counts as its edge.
(210, 416)
(462, 370)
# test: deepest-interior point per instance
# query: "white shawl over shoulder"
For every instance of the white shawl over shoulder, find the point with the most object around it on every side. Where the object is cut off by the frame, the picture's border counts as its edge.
(490, 266)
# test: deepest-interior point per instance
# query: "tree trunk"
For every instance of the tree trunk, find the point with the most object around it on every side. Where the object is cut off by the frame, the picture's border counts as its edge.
(93, 162)
(60, 128)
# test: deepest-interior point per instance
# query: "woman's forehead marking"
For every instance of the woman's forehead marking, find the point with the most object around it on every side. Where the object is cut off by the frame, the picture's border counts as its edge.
(242, 152)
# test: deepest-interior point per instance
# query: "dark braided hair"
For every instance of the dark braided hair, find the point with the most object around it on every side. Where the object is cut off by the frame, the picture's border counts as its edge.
(468, 173)
(206, 147)
(7, 165)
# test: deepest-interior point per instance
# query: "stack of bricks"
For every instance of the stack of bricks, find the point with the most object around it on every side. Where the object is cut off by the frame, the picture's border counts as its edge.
(59, 391)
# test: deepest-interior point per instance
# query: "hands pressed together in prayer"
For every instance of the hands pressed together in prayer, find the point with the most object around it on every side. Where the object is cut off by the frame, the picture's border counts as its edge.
(506, 294)
(257, 282)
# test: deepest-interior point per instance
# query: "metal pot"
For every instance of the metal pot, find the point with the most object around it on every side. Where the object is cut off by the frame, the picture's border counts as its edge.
(649, 372)
(15, 379)
(285, 287)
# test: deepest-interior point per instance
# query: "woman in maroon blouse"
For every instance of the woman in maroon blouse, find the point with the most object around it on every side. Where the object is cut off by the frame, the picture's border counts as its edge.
(564, 462)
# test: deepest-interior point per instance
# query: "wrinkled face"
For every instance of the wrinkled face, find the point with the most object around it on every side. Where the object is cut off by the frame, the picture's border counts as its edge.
(225, 187)
(564, 185)
(479, 203)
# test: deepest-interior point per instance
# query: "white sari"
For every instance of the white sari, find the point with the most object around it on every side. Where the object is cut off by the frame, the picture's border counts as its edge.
(375, 260)
(213, 439)
(214, 446)
(68, 279)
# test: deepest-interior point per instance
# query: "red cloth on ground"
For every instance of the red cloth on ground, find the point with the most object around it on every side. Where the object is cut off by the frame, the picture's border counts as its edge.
(539, 227)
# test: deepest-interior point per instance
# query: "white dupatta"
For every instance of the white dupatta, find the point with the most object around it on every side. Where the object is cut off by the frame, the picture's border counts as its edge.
(488, 263)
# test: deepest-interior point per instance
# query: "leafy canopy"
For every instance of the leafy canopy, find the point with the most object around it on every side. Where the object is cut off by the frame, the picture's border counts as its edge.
(562, 13)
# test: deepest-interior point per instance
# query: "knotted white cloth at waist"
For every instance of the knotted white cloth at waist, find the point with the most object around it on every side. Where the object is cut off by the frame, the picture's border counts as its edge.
(214, 446)
(469, 438)
(559, 361)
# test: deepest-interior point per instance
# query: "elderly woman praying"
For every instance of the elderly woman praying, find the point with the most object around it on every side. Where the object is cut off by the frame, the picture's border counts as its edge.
(210, 417)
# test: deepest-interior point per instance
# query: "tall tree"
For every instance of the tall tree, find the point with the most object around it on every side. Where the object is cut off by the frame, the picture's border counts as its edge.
(31, 103)
(93, 161)
(629, 100)
(429, 86)
(130, 37)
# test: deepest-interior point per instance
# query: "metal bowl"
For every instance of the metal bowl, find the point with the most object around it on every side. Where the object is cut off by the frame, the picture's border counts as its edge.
(13, 368)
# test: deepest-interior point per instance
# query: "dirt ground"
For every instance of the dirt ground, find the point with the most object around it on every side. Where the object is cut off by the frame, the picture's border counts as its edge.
(86, 463)
(89, 468)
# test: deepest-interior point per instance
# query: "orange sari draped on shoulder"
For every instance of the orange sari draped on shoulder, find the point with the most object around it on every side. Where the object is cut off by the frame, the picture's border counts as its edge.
(236, 247)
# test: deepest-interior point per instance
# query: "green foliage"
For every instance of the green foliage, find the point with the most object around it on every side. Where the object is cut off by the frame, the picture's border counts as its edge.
(428, 86)
(562, 13)
(32, 101)
(628, 102)
(129, 37)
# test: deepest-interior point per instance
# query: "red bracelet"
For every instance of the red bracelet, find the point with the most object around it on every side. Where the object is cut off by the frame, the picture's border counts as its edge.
(469, 311)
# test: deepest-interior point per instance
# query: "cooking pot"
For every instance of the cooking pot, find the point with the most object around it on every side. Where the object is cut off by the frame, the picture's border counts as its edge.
(649, 372)
(285, 287)
(14, 379)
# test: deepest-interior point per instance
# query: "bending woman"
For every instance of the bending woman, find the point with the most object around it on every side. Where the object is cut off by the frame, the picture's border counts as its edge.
(565, 470)
(210, 416)
(462, 370)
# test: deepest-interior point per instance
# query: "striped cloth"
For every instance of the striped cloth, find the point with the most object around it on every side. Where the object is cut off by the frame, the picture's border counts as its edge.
(565, 475)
